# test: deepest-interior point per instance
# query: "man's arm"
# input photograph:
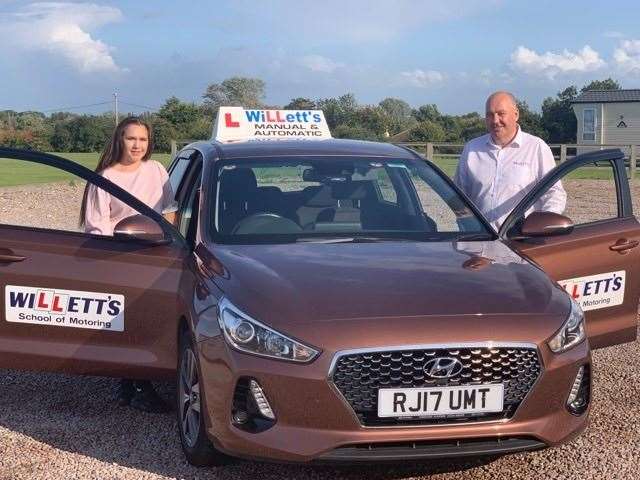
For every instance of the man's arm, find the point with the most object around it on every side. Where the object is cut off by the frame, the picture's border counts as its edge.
(555, 198)
(460, 177)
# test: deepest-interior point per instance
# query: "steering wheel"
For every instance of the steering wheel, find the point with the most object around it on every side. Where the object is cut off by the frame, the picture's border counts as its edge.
(265, 223)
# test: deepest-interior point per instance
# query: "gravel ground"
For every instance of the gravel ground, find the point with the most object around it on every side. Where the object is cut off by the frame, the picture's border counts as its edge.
(57, 426)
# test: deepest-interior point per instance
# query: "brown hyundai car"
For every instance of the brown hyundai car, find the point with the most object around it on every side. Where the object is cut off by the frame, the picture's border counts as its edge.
(333, 301)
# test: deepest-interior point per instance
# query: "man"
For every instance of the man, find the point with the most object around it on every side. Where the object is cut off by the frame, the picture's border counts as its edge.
(498, 169)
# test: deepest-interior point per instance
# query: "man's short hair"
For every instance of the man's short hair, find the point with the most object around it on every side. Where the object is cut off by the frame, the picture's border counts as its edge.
(509, 95)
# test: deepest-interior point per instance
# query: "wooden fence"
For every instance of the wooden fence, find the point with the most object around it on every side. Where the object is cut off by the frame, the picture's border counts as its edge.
(561, 151)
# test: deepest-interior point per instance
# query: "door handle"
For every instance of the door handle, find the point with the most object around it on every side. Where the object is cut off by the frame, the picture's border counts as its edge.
(623, 245)
(11, 258)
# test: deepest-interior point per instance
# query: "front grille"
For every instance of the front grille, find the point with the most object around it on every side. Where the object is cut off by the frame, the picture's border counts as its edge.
(358, 376)
(427, 450)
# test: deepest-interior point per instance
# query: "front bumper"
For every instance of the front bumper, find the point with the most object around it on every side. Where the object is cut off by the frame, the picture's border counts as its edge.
(315, 423)
(425, 450)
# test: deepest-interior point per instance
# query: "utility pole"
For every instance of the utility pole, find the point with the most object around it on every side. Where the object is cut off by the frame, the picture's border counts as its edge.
(115, 106)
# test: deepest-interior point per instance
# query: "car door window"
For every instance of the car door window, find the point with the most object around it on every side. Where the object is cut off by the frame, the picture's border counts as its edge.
(78, 302)
(595, 260)
(187, 196)
(591, 194)
(178, 169)
(41, 196)
(188, 212)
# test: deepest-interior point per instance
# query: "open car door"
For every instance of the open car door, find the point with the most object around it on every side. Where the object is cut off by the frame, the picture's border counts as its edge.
(76, 302)
(592, 249)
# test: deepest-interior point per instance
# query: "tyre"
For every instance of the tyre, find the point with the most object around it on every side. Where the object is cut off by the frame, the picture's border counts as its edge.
(193, 436)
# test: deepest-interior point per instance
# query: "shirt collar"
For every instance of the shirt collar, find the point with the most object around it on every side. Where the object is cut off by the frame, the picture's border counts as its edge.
(516, 142)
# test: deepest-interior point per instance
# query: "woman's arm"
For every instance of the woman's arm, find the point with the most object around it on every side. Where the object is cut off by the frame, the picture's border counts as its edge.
(97, 217)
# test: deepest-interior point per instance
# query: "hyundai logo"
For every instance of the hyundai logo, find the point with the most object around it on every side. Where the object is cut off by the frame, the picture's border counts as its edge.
(443, 367)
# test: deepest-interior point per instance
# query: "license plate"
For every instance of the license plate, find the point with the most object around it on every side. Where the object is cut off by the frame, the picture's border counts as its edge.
(437, 401)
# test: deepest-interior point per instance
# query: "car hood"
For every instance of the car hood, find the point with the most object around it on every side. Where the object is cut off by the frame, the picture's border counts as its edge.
(315, 282)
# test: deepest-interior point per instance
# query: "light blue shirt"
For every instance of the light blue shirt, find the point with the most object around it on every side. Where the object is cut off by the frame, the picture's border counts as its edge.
(497, 178)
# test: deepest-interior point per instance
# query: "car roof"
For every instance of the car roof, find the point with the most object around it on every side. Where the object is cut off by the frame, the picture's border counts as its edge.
(312, 147)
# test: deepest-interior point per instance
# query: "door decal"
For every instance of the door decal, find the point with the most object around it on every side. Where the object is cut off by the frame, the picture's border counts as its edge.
(64, 308)
(597, 291)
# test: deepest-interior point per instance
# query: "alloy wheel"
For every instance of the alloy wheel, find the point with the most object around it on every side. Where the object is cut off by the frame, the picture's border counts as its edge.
(189, 394)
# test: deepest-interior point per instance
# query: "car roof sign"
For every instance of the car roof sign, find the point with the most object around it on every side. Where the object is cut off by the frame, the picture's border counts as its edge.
(236, 124)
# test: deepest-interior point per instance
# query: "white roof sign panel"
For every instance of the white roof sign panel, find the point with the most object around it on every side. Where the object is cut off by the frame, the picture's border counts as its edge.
(235, 124)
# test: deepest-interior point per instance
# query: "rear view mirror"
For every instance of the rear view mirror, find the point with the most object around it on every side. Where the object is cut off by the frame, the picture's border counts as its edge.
(139, 227)
(546, 224)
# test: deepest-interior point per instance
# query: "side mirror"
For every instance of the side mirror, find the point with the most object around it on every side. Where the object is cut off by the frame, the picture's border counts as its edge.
(140, 228)
(546, 224)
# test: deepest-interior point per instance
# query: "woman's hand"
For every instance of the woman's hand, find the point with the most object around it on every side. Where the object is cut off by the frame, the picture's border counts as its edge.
(170, 217)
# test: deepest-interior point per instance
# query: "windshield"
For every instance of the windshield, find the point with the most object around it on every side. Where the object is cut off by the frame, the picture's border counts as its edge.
(278, 200)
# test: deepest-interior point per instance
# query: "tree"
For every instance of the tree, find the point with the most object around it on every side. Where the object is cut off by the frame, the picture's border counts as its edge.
(8, 119)
(90, 133)
(607, 84)
(398, 113)
(300, 103)
(338, 111)
(61, 138)
(179, 114)
(38, 130)
(531, 122)
(372, 119)
(558, 119)
(451, 126)
(17, 139)
(427, 131)
(427, 112)
(234, 91)
(471, 125)
(163, 133)
(201, 129)
(356, 132)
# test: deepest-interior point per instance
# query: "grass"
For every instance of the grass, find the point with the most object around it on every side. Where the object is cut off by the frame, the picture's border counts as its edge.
(18, 172)
(448, 165)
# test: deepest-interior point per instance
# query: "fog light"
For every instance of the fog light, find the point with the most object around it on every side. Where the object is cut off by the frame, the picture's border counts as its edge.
(578, 399)
(261, 400)
(240, 417)
(250, 410)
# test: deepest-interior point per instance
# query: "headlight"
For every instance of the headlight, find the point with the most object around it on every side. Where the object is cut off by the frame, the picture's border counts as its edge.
(571, 333)
(248, 335)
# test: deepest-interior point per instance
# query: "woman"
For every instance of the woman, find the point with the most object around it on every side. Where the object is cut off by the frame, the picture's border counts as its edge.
(125, 162)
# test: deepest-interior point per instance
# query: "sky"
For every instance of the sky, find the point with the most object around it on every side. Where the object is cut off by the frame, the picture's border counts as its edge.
(57, 55)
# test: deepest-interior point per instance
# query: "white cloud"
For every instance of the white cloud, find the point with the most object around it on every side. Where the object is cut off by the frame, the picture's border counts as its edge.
(422, 78)
(318, 63)
(63, 29)
(551, 64)
(627, 56)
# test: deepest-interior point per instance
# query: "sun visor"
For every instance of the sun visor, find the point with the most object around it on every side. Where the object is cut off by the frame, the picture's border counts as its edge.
(235, 124)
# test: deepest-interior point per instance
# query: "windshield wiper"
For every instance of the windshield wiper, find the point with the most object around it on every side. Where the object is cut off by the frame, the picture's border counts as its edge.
(475, 236)
(324, 240)
(357, 239)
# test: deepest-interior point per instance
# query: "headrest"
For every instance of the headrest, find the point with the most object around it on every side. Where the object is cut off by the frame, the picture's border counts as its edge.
(354, 190)
(238, 183)
(320, 197)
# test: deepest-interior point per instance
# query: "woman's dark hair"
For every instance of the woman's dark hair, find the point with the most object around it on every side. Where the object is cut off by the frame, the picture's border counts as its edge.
(113, 152)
